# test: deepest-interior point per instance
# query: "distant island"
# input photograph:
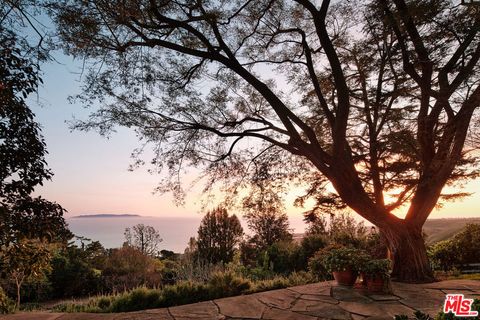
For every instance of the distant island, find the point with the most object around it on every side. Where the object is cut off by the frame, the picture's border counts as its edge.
(107, 215)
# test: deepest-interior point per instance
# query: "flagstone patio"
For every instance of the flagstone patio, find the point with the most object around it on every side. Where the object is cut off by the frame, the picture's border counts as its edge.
(309, 302)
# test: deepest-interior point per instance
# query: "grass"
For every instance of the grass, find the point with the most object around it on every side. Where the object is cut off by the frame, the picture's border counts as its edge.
(221, 284)
(456, 275)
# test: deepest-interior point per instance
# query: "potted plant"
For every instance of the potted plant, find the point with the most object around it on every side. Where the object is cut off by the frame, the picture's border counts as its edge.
(343, 264)
(376, 274)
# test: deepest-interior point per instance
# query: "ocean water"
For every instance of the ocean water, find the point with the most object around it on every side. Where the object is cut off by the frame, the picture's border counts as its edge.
(175, 231)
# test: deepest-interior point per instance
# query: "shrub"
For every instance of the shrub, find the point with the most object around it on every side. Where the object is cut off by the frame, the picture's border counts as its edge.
(222, 284)
(342, 259)
(226, 284)
(460, 250)
(71, 276)
(376, 246)
(380, 267)
(184, 292)
(271, 284)
(316, 265)
(312, 243)
(6, 304)
(279, 282)
(284, 257)
(169, 272)
(137, 299)
(345, 230)
(127, 268)
(249, 253)
(444, 255)
(259, 273)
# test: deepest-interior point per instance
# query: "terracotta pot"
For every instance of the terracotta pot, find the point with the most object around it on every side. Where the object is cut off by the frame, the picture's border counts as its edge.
(345, 278)
(375, 283)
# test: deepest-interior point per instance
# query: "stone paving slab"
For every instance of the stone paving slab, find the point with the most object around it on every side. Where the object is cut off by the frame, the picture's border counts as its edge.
(33, 316)
(316, 301)
(241, 307)
(281, 299)
(201, 311)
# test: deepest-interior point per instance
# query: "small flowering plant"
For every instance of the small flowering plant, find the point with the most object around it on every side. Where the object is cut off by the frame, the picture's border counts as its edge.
(343, 259)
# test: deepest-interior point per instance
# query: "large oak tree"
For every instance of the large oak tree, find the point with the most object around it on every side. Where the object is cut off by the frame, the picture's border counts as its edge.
(373, 98)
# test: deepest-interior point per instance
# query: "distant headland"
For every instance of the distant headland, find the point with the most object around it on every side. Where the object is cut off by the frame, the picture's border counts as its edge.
(107, 215)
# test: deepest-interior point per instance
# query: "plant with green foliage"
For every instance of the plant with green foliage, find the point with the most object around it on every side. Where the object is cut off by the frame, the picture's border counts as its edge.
(22, 147)
(284, 257)
(218, 236)
(311, 243)
(376, 267)
(23, 260)
(266, 219)
(343, 259)
(222, 284)
(72, 275)
(444, 255)
(6, 304)
(128, 268)
(460, 250)
(226, 284)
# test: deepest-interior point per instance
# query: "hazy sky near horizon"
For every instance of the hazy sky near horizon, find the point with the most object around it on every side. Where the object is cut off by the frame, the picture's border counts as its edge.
(91, 172)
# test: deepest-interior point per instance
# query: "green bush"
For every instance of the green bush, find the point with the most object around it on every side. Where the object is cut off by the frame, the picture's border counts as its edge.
(137, 299)
(284, 257)
(342, 259)
(460, 250)
(71, 276)
(279, 282)
(376, 246)
(444, 255)
(311, 244)
(6, 304)
(226, 284)
(315, 265)
(377, 267)
(221, 284)
(270, 284)
(184, 292)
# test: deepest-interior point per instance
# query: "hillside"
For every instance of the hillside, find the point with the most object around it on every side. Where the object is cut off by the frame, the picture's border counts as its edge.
(442, 229)
(107, 215)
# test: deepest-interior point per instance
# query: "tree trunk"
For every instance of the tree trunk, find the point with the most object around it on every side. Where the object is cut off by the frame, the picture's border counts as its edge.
(409, 254)
(17, 307)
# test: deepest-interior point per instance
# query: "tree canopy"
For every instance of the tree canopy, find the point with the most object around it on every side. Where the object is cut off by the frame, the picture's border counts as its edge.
(373, 98)
(218, 236)
(144, 238)
(22, 147)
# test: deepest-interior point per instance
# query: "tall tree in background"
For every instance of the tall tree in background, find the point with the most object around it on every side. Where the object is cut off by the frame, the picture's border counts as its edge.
(144, 238)
(266, 217)
(22, 148)
(218, 236)
(374, 98)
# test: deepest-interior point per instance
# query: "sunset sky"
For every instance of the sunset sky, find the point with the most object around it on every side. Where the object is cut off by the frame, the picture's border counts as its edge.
(91, 172)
